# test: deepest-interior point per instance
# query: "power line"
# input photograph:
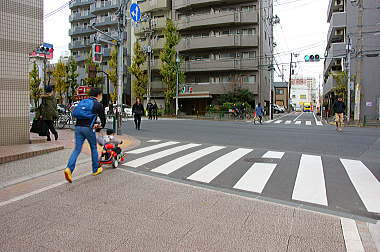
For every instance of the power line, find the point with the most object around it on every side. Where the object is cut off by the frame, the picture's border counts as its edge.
(59, 9)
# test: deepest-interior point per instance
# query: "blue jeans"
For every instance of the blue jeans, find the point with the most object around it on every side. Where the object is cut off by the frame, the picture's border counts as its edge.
(82, 133)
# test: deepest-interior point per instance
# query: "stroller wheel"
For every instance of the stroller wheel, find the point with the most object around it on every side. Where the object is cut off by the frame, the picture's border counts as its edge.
(115, 163)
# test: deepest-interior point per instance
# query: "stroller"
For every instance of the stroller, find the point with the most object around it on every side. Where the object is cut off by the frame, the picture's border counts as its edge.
(111, 153)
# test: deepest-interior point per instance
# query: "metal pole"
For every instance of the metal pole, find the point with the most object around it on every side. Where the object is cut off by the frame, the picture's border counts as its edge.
(359, 54)
(44, 69)
(176, 97)
(149, 33)
(348, 58)
(290, 80)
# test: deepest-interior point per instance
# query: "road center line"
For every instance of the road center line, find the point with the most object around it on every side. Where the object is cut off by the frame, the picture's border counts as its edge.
(298, 117)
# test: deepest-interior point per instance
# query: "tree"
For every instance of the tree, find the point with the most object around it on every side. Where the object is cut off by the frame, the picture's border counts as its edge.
(141, 79)
(341, 79)
(72, 77)
(169, 67)
(59, 75)
(92, 81)
(34, 85)
(112, 73)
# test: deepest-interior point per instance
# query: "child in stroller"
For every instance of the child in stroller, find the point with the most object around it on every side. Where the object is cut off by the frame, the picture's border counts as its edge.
(111, 153)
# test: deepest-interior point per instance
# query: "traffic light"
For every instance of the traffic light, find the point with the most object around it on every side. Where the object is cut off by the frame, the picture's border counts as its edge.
(190, 90)
(183, 89)
(312, 58)
(97, 53)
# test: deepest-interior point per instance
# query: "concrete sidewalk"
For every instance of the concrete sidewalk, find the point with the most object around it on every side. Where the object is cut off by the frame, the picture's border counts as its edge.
(122, 210)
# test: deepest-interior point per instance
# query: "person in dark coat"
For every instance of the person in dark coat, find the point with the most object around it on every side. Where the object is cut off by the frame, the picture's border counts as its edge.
(48, 111)
(138, 111)
(339, 108)
(155, 111)
(149, 107)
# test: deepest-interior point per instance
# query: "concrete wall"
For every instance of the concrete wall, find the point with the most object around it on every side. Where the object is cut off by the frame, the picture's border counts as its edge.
(21, 31)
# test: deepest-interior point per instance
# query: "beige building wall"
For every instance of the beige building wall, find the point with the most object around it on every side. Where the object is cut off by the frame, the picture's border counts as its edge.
(21, 31)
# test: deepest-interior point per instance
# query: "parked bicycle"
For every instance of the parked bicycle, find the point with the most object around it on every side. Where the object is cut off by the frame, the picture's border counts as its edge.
(65, 119)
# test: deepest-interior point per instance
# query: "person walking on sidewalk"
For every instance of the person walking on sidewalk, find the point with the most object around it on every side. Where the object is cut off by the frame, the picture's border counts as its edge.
(48, 111)
(260, 112)
(339, 109)
(155, 111)
(138, 111)
(149, 107)
(86, 113)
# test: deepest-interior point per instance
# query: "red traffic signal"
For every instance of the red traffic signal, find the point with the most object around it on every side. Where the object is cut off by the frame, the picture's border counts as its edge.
(190, 89)
(98, 48)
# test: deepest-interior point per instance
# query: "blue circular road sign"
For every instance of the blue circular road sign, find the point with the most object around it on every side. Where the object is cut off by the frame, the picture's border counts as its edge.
(135, 12)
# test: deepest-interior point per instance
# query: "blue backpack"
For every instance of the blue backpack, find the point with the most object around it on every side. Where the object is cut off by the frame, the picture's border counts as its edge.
(84, 110)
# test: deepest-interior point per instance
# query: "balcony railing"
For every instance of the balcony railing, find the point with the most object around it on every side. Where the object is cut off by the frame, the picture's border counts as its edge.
(156, 44)
(338, 20)
(153, 5)
(157, 24)
(80, 16)
(102, 21)
(216, 42)
(101, 6)
(212, 19)
(222, 88)
(77, 3)
(80, 30)
(220, 65)
(329, 85)
(79, 44)
(336, 51)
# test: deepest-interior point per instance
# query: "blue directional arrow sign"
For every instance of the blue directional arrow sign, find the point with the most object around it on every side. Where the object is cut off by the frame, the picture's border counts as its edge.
(135, 12)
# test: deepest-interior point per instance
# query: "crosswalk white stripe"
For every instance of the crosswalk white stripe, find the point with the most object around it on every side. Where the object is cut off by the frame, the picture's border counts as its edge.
(308, 122)
(298, 122)
(153, 141)
(269, 121)
(274, 154)
(310, 182)
(365, 183)
(175, 164)
(153, 147)
(213, 169)
(351, 235)
(255, 179)
(144, 160)
(278, 121)
(288, 122)
(319, 123)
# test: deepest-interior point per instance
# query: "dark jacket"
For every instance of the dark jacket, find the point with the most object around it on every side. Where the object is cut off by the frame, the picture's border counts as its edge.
(48, 109)
(339, 107)
(98, 110)
(138, 109)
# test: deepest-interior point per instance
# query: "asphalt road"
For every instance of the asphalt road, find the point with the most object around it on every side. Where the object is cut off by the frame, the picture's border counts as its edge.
(303, 164)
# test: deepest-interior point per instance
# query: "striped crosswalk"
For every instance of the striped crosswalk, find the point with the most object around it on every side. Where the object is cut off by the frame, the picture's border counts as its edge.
(257, 170)
(295, 122)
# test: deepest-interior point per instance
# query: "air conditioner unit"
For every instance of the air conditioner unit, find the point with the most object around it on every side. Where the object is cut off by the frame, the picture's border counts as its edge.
(339, 32)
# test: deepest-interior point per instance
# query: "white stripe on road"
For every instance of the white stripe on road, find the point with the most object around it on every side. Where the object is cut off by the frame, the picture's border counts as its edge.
(213, 169)
(310, 182)
(351, 235)
(298, 122)
(273, 154)
(144, 160)
(153, 141)
(255, 179)
(319, 123)
(278, 121)
(308, 122)
(288, 122)
(175, 164)
(154, 147)
(269, 121)
(365, 183)
(298, 117)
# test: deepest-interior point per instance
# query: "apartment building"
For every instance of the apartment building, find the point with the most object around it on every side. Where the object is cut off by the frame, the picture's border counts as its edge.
(226, 45)
(149, 32)
(303, 90)
(101, 13)
(281, 94)
(344, 18)
(21, 32)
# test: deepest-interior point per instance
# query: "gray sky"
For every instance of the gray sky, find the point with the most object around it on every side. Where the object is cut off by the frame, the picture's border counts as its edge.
(302, 29)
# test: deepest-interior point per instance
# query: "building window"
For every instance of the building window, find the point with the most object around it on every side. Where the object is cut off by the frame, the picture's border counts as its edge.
(279, 91)
(226, 79)
(249, 55)
(293, 96)
(303, 96)
(249, 79)
(228, 55)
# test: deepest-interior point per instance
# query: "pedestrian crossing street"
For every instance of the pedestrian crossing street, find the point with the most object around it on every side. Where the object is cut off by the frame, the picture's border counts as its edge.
(296, 122)
(330, 182)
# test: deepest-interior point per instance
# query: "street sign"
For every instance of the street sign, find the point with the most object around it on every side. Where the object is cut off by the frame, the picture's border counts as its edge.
(135, 12)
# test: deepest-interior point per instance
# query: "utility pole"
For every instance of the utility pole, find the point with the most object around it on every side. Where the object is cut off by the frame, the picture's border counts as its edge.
(290, 80)
(177, 60)
(348, 65)
(359, 53)
(149, 50)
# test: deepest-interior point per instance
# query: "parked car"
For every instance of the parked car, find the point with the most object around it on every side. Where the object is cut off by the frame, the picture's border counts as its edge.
(281, 108)
(276, 109)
